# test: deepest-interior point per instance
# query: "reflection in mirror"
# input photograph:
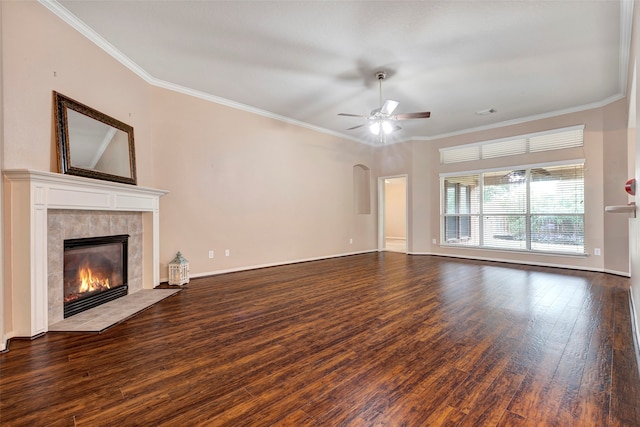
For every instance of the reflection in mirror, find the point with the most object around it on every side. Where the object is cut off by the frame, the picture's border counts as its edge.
(92, 144)
(96, 145)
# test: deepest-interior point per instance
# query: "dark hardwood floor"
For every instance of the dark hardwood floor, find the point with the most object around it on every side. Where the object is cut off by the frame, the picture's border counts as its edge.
(367, 340)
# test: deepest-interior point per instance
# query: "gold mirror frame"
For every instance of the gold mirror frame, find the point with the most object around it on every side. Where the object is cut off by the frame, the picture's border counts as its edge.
(91, 144)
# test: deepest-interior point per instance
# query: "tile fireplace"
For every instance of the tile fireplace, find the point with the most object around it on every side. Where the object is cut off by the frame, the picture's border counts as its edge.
(44, 209)
(65, 225)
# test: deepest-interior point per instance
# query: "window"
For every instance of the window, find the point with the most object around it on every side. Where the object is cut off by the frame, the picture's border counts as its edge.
(461, 208)
(528, 209)
(556, 139)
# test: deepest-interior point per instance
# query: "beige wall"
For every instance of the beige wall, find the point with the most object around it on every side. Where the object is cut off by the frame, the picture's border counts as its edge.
(604, 127)
(615, 249)
(42, 54)
(268, 191)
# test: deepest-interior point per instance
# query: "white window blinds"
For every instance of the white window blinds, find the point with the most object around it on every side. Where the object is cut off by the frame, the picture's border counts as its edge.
(537, 208)
(542, 141)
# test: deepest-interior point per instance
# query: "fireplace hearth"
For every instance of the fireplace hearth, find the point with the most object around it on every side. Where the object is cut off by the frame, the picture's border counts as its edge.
(95, 272)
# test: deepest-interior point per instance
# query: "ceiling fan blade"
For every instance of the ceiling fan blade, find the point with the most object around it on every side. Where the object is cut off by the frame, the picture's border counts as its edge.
(351, 115)
(388, 107)
(407, 116)
(356, 127)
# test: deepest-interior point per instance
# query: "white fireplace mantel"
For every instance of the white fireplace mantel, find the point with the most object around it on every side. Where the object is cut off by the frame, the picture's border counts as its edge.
(28, 196)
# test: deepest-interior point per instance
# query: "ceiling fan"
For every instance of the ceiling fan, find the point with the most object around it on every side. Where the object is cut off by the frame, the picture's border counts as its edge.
(382, 121)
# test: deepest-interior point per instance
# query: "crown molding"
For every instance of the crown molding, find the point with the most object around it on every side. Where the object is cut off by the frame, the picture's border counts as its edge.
(527, 119)
(626, 21)
(68, 17)
(626, 26)
(239, 106)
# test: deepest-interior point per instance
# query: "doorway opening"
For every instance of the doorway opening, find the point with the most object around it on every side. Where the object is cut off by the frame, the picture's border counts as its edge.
(392, 225)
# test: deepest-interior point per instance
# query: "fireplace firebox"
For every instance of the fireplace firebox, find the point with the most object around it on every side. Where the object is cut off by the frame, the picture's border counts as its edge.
(95, 272)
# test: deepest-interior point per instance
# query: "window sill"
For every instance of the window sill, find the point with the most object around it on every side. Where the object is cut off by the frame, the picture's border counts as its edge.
(517, 251)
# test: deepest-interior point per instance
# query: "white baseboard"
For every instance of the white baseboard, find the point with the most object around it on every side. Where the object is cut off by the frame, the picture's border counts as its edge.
(5, 341)
(275, 264)
(635, 331)
(272, 264)
(508, 261)
(617, 273)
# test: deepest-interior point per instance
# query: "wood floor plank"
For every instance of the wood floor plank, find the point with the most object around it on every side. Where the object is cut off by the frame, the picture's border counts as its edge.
(488, 407)
(380, 339)
(625, 368)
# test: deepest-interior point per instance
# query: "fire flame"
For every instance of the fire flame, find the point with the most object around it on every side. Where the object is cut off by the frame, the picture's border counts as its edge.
(89, 282)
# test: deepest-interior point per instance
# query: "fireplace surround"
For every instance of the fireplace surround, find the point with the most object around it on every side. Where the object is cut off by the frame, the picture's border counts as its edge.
(63, 224)
(40, 205)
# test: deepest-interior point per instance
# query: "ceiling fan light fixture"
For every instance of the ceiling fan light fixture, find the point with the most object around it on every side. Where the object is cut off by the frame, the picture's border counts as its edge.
(382, 118)
(375, 128)
(387, 128)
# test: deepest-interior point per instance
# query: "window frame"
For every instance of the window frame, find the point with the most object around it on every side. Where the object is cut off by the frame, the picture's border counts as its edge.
(528, 214)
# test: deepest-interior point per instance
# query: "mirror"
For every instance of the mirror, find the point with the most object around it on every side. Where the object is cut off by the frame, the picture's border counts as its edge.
(92, 144)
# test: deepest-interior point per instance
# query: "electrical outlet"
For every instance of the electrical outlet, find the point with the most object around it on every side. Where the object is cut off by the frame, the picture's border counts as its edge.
(350, 241)
(226, 252)
(596, 251)
(434, 241)
(210, 254)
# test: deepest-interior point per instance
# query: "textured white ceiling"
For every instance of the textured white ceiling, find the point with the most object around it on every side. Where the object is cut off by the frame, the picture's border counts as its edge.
(306, 61)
